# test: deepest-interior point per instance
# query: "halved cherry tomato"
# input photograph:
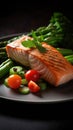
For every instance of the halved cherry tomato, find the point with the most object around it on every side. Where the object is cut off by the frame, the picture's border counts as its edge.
(14, 81)
(33, 87)
(32, 75)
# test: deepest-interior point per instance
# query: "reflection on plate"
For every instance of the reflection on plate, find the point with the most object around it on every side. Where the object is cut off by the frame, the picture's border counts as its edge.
(52, 94)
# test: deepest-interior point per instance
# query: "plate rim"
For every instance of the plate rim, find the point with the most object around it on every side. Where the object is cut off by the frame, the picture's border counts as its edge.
(10, 35)
(36, 101)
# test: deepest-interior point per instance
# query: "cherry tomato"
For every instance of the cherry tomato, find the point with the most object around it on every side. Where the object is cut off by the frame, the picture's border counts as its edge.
(14, 81)
(33, 87)
(32, 75)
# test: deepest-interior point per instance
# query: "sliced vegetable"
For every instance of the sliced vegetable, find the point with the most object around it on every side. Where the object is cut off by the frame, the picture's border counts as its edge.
(6, 82)
(14, 81)
(21, 73)
(43, 86)
(24, 90)
(15, 70)
(32, 75)
(33, 87)
(24, 82)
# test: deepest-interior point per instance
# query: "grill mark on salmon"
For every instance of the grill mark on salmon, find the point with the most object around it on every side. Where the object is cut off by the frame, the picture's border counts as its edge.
(52, 66)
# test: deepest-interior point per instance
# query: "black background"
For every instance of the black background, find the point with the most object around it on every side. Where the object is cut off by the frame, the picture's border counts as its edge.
(23, 16)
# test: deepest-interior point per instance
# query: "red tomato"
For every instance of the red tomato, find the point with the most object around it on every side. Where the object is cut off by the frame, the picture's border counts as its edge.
(32, 75)
(14, 81)
(33, 86)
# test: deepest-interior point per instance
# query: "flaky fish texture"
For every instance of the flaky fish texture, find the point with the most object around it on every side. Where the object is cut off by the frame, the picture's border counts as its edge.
(51, 65)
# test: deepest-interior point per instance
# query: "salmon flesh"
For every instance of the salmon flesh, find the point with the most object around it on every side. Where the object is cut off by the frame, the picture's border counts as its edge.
(51, 65)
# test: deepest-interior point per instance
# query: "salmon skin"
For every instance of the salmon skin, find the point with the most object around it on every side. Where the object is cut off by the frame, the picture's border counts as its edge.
(51, 65)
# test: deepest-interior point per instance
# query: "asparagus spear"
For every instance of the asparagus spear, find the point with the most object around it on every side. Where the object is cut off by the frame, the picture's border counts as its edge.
(69, 58)
(2, 54)
(65, 52)
(3, 43)
(2, 49)
(5, 67)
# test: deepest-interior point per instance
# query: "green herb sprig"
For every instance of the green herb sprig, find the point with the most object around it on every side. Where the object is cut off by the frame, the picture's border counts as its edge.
(34, 43)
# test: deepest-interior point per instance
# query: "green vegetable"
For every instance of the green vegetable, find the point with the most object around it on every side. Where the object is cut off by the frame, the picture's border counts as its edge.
(2, 54)
(69, 58)
(24, 82)
(5, 67)
(3, 49)
(58, 33)
(15, 70)
(6, 61)
(65, 52)
(24, 90)
(43, 86)
(63, 30)
(21, 73)
(3, 43)
(40, 31)
(6, 82)
(2, 59)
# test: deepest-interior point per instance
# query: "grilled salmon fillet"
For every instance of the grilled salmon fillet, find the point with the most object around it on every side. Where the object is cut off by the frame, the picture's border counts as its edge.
(51, 65)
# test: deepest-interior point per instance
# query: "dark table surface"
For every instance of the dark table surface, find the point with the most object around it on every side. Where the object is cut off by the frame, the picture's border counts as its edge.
(20, 115)
(29, 116)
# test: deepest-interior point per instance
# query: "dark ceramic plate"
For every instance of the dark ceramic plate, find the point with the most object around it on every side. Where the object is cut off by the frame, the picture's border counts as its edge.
(51, 95)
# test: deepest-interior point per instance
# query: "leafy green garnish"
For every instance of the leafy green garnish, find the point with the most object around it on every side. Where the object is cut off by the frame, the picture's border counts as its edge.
(28, 43)
(34, 43)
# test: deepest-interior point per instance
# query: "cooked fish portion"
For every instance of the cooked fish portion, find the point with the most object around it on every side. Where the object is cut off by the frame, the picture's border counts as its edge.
(16, 46)
(51, 65)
